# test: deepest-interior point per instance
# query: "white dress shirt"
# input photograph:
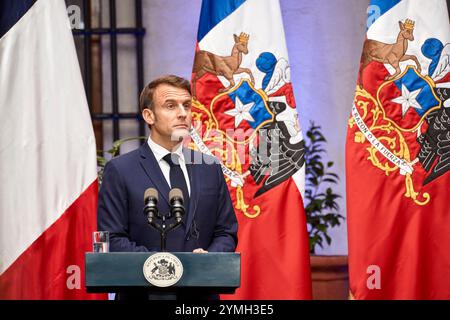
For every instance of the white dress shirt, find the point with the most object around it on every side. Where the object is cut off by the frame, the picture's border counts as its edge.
(159, 152)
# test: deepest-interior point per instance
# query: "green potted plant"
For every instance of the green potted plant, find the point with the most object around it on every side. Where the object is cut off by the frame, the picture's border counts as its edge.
(321, 206)
(329, 273)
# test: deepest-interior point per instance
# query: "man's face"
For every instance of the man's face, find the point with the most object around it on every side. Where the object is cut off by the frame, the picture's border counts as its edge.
(171, 115)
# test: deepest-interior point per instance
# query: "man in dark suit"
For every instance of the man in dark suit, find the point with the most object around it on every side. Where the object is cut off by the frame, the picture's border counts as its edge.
(209, 223)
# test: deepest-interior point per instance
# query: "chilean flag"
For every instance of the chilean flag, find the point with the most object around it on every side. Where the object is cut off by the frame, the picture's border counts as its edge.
(48, 179)
(241, 75)
(397, 155)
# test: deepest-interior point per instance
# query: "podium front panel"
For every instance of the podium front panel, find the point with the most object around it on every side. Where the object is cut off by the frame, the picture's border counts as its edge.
(109, 272)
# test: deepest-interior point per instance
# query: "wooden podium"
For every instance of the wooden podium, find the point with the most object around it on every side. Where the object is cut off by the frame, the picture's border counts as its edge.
(123, 272)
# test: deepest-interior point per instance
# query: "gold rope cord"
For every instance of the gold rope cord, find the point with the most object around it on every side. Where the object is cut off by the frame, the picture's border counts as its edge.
(214, 139)
(391, 137)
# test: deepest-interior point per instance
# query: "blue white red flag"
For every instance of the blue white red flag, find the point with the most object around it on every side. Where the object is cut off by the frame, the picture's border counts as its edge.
(48, 178)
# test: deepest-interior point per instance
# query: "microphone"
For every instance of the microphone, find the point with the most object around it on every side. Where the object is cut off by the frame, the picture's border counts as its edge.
(176, 201)
(151, 201)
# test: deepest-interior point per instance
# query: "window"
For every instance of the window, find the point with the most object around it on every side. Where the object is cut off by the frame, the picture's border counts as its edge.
(109, 42)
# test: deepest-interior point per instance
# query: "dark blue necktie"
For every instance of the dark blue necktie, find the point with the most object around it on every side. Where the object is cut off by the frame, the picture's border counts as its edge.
(177, 179)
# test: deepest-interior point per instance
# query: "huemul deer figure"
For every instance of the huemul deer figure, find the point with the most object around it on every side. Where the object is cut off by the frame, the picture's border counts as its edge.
(228, 66)
(390, 53)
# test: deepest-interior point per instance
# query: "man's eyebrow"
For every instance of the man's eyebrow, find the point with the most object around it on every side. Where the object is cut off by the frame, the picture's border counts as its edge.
(175, 101)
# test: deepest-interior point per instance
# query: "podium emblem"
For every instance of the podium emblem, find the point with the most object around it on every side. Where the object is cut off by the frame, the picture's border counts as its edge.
(163, 269)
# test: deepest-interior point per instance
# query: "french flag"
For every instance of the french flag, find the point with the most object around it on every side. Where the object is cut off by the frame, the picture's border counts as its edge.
(48, 178)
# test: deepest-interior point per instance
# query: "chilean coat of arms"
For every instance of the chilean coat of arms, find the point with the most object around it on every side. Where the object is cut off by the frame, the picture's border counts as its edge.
(252, 128)
(402, 108)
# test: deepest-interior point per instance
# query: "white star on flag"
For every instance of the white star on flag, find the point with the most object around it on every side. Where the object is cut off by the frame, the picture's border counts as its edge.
(408, 99)
(241, 112)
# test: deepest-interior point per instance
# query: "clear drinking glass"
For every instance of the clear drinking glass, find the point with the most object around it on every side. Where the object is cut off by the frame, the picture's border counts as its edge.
(100, 241)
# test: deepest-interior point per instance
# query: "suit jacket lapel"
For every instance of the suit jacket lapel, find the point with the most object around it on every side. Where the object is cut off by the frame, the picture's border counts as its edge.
(193, 179)
(153, 171)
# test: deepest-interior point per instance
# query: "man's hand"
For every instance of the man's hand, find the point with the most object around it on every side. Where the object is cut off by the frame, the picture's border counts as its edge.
(199, 250)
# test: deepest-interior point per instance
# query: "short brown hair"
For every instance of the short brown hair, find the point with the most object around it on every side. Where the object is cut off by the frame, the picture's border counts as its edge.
(146, 98)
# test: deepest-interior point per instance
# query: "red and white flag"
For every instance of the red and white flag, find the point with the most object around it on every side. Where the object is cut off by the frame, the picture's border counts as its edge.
(48, 180)
(246, 115)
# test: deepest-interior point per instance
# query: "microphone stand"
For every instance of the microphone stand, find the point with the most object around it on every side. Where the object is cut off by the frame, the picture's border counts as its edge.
(162, 227)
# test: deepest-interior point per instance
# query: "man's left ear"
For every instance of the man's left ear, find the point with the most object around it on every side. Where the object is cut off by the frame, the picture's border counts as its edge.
(148, 116)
